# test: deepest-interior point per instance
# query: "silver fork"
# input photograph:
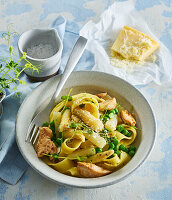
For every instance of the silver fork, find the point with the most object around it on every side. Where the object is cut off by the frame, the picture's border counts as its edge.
(43, 116)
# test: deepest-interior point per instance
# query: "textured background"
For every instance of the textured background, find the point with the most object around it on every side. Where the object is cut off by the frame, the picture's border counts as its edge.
(153, 180)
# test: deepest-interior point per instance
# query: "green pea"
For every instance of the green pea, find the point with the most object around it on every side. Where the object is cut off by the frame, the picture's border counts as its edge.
(65, 97)
(123, 148)
(111, 115)
(120, 128)
(128, 134)
(131, 153)
(125, 132)
(115, 148)
(73, 125)
(132, 148)
(118, 153)
(105, 118)
(116, 111)
(111, 145)
(115, 141)
(113, 112)
(98, 150)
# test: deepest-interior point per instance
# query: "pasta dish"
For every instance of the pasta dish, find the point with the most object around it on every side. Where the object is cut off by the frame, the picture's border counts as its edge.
(87, 136)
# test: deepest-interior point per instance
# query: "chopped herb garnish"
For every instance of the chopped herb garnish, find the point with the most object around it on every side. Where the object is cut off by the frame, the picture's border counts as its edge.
(120, 128)
(52, 126)
(105, 135)
(65, 108)
(55, 142)
(81, 158)
(91, 101)
(73, 125)
(56, 156)
(67, 99)
(136, 128)
(45, 124)
(105, 118)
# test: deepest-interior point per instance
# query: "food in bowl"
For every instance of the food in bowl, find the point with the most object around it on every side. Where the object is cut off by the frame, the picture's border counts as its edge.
(87, 136)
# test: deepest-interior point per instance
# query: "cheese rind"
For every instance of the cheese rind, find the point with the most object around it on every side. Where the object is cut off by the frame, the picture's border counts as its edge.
(134, 45)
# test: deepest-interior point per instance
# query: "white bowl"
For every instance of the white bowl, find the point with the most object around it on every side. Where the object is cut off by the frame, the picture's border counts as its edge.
(49, 66)
(92, 82)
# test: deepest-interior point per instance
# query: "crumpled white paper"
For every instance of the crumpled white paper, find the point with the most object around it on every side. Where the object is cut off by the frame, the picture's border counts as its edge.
(104, 33)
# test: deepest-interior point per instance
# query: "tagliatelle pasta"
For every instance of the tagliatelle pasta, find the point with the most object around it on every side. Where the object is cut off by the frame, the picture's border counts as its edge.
(87, 141)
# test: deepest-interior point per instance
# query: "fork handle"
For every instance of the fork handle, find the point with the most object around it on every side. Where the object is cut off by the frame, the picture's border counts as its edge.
(74, 57)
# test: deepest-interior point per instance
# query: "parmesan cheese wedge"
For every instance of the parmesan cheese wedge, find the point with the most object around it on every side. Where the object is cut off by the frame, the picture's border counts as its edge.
(134, 45)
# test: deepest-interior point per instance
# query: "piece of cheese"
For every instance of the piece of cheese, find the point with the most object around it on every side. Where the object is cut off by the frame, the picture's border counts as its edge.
(133, 44)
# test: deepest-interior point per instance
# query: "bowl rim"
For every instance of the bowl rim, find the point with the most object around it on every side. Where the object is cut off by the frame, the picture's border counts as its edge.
(97, 185)
(58, 53)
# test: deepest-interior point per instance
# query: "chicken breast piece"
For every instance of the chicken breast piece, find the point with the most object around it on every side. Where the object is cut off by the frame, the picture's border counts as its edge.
(44, 144)
(128, 118)
(89, 170)
(102, 95)
(109, 104)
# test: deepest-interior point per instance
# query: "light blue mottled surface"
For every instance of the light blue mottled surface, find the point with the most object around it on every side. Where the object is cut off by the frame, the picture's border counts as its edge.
(153, 180)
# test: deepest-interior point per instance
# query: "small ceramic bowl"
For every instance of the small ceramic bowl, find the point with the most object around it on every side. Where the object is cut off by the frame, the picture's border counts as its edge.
(92, 82)
(35, 37)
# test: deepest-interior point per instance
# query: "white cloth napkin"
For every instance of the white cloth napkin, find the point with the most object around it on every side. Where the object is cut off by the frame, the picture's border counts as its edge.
(104, 33)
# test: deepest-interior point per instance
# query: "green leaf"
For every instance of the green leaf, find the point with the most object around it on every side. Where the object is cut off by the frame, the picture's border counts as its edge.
(73, 125)
(81, 158)
(10, 70)
(45, 124)
(66, 97)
